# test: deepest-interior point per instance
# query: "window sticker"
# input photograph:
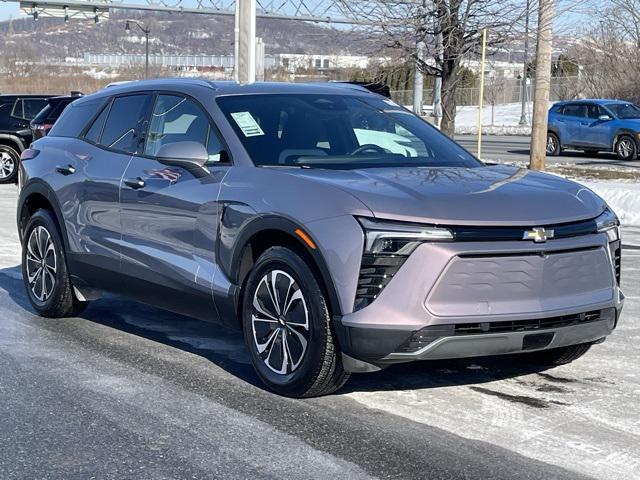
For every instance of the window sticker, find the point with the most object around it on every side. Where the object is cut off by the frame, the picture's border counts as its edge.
(247, 124)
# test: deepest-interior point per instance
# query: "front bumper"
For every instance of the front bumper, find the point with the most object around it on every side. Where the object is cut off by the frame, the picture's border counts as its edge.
(556, 294)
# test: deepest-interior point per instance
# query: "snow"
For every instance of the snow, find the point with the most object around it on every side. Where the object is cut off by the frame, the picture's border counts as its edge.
(623, 197)
(506, 119)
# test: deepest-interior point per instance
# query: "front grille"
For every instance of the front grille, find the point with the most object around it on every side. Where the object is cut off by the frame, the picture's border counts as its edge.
(616, 255)
(526, 325)
(494, 234)
(376, 271)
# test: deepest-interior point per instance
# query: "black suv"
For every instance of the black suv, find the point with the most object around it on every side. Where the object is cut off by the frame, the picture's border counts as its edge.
(16, 111)
(43, 122)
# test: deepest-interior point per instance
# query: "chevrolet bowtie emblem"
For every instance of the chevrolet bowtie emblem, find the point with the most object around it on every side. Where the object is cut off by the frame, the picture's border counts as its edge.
(538, 235)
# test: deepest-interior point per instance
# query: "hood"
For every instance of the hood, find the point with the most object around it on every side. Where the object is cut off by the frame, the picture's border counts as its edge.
(491, 195)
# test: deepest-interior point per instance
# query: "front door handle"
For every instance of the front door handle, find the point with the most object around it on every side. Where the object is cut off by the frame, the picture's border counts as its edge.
(66, 170)
(135, 183)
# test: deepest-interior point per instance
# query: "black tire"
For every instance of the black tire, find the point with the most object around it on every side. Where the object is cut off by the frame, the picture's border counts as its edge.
(9, 162)
(553, 145)
(319, 369)
(626, 148)
(61, 301)
(557, 356)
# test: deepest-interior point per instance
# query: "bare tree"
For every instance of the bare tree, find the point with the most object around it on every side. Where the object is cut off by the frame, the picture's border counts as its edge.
(406, 24)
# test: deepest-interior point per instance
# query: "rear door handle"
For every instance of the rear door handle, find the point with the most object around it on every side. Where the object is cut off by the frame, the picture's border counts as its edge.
(135, 183)
(68, 170)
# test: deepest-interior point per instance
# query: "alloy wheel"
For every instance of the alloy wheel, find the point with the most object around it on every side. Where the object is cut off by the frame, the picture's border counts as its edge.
(280, 322)
(625, 148)
(551, 144)
(41, 264)
(7, 165)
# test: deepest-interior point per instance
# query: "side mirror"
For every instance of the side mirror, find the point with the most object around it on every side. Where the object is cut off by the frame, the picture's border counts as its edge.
(184, 153)
(604, 118)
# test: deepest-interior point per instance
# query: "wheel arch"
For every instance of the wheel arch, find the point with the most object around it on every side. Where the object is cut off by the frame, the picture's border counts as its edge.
(624, 132)
(263, 232)
(38, 195)
(12, 141)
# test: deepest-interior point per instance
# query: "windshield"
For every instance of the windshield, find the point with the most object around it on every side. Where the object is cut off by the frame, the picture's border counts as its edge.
(337, 131)
(624, 110)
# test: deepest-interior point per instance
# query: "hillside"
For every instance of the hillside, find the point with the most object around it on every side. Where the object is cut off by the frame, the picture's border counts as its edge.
(171, 34)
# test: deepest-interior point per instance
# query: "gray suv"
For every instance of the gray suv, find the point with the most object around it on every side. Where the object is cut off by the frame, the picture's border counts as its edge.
(337, 230)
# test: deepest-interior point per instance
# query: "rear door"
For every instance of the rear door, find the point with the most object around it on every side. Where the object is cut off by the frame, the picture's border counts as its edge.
(574, 116)
(170, 212)
(96, 166)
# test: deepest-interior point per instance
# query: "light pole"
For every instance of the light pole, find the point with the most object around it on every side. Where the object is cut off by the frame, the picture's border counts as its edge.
(523, 115)
(146, 31)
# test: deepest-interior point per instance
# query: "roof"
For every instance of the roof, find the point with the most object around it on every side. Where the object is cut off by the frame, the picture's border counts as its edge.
(234, 88)
(598, 101)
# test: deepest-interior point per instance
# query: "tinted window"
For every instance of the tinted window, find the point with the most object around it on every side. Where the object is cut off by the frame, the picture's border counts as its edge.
(179, 119)
(17, 109)
(75, 118)
(120, 130)
(337, 131)
(624, 110)
(575, 110)
(594, 111)
(93, 134)
(32, 107)
(57, 109)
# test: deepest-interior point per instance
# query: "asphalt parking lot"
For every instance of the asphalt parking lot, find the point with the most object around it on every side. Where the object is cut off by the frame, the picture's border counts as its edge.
(129, 391)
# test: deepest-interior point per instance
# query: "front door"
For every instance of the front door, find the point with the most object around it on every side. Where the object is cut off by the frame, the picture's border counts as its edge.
(170, 213)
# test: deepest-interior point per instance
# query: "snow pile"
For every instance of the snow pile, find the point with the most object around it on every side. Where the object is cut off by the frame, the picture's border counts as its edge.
(622, 197)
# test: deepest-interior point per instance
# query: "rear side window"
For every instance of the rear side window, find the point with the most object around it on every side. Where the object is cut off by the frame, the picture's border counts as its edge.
(93, 134)
(75, 118)
(120, 130)
(32, 107)
(57, 109)
(575, 110)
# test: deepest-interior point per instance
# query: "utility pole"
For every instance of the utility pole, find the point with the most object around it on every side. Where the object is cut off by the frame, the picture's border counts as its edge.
(525, 97)
(418, 79)
(437, 87)
(245, 48)
(543, 85)
(481, 97)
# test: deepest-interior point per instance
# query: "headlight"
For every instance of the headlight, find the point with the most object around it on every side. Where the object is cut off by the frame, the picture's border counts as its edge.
(394, 238)
(608, 223)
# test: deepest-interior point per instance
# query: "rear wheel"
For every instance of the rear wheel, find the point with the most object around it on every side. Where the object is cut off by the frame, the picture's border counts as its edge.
(44, 269)
(626, 148)
(557, 356)
(9, 160)
(553, 145)
(287, 327)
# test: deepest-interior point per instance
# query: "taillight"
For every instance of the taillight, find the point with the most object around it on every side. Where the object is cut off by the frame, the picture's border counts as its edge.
(44, 127)
(29, 153)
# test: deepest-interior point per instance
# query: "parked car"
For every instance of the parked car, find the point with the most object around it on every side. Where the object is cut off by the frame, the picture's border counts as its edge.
(16, 111)
(44, 120)
(595, 126)
(264, 207)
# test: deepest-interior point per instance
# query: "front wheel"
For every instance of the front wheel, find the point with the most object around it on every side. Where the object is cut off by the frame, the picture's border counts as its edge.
(44, 269)
(626, 148)
(287, 327)
(553, 145)
(9, 161)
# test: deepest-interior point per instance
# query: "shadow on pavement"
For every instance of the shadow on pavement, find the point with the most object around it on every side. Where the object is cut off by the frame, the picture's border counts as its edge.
(226, 348)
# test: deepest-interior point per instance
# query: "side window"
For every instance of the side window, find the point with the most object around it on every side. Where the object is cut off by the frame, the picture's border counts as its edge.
(94, 132)
(575, 110)
(120, 130)
(75, 118)
(179, 119)
(595, 111)
(32, 106)
(17, 109)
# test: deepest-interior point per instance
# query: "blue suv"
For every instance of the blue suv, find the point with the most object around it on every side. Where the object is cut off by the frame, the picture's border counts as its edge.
(594, 126)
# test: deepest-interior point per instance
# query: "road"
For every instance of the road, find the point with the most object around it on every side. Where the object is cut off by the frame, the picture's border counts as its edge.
(516, 149)
(131, 392)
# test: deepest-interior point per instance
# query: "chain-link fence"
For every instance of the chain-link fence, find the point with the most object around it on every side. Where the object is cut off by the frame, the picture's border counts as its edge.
(498, 91)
